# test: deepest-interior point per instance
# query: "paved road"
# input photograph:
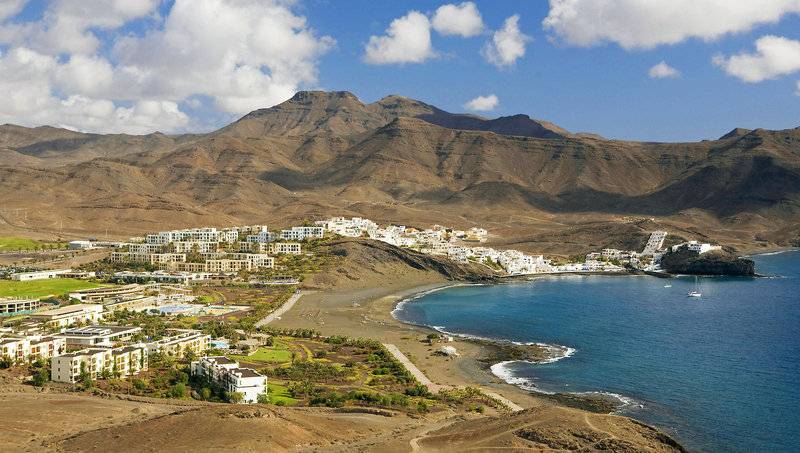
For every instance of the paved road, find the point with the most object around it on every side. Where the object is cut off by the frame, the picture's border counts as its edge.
(283, 308)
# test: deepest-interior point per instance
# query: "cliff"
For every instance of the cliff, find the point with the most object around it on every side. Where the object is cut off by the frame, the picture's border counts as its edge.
(684, 261)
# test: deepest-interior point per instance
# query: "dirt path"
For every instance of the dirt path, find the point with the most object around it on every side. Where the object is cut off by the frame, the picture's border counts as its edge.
(283, 308)
(435, 388)
(416, 372)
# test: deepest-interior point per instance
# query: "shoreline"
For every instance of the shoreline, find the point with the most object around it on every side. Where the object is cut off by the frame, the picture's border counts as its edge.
(369, 311)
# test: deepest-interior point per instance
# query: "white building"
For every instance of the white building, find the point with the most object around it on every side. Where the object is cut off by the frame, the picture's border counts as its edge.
(80, 245)
(655, 242)
(227, 374)
(180, 343)
(302, 233)
(124, 361)
(289, 248)
(698, 247)
(29, 348)
(38, 275)
(70, 314)
(98, 335)
(11, 307)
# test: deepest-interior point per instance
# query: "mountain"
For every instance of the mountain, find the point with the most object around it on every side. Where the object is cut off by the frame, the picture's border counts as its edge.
(318, 154)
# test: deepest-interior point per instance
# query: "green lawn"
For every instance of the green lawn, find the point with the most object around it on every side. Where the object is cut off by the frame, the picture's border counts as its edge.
(274, 354)
(42, 288)
(15, 243)
(278, 393)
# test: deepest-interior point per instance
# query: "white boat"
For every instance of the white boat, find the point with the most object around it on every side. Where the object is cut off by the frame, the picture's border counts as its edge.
(696, 291)
(667, 286)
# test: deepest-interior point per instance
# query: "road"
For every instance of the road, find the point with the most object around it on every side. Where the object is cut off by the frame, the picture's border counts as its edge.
(283, 308)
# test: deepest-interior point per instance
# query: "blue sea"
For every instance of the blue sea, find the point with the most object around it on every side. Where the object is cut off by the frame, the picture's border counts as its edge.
(719, 373)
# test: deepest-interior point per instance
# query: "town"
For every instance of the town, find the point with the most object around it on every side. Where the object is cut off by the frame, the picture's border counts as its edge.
(152, 305)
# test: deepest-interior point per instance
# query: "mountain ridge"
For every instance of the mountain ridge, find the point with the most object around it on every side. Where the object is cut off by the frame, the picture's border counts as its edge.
(321, 154)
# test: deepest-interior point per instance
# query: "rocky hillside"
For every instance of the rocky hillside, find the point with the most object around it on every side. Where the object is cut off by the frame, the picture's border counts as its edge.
(397, 159)
(686, 262)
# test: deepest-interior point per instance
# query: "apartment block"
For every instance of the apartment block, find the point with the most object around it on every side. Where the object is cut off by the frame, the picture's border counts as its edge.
(227, 374)
(181, 342)
(124, 361)
(71, 314)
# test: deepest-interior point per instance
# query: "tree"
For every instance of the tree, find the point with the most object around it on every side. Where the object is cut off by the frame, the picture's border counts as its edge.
(263, 398)
(234, 397)
(85, 377)
(178, 390)
(40, 377)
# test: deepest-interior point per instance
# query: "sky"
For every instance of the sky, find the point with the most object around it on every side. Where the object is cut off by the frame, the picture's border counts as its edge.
(658, 70)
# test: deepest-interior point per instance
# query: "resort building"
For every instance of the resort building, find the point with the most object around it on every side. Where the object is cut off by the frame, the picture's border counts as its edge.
(698, 247)
(302, 233)
(98, 335)
(30, 348)
(263, 236)
(70, 314)
(80, 245)
(179, 344)
(107, 292)
(39, 275)
(227, 374)
(655, 243)
(124, 361)
(289, 248)
(149, 258)
(13, 307)
(182, 278)
(197, 246)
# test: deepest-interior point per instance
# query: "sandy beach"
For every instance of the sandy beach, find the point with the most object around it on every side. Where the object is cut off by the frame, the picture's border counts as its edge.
(366, 312)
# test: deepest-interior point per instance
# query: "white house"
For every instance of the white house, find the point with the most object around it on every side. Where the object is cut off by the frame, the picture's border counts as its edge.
(698, 247)
(302, 233)
(655, 243)
(38, 275)
(227, 374)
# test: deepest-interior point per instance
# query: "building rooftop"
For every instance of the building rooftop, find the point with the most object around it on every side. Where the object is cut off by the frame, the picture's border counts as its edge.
(99, 330)
(69, 309)
(246, 372)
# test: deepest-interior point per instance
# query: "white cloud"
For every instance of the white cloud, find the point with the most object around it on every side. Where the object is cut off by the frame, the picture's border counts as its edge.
(507, 44)
(463, 20)
(10, 8)
(28, 84)
(483, 103)
(241, 54)
(67, 24)
(775, 56)
(407, 40)
(663, 71)
(639, 24)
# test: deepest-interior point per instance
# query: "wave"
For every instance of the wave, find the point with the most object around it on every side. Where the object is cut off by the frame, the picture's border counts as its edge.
(504, 371)
(779, 252)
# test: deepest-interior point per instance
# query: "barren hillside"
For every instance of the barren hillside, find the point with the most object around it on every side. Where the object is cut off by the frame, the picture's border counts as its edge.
(322, 154)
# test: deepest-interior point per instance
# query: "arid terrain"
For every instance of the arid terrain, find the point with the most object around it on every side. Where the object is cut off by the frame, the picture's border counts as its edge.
(532, 184)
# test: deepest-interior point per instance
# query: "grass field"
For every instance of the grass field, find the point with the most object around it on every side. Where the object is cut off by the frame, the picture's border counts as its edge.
(279, 353)
(278, 393)
(42, 288)
(8, 244)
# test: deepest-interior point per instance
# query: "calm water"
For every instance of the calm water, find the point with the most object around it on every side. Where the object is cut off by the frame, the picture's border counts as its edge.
(721, 373)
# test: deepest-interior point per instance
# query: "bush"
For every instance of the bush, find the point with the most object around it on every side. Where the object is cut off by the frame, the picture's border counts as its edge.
(40, 377)
(178, 390)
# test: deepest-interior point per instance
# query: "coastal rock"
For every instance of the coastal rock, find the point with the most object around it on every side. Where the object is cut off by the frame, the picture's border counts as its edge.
(684, 261)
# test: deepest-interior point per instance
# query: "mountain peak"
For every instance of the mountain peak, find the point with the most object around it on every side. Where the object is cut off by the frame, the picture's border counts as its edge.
(317, 96)
(737, 132)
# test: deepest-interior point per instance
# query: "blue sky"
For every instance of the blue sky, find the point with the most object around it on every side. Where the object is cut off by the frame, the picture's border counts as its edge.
(580, 72)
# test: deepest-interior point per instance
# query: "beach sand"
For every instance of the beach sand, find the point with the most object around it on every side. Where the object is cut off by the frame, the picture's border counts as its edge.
(365, 311)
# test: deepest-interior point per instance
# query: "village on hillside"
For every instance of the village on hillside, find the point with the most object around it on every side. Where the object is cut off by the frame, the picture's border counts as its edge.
(184, 313)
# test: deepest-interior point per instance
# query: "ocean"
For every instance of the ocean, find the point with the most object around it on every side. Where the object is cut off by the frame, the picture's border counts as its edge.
(719, 373)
